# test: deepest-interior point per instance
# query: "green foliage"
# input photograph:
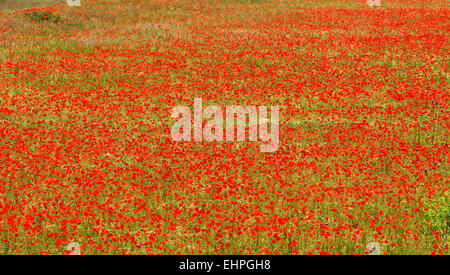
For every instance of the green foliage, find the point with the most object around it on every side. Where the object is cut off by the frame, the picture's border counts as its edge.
(41, 16)
(437, 212)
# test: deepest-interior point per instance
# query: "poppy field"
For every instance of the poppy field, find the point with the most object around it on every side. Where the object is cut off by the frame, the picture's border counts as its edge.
(86, 154)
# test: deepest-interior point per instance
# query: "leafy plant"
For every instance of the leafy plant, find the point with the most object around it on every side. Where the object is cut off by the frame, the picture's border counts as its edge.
(41, 16)
(437, 212)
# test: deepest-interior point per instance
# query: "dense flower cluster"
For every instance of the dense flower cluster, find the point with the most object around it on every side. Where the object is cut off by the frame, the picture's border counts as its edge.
(86, 154)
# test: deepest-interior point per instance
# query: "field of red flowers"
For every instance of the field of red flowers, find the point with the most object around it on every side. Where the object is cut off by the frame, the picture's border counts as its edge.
(86, 155)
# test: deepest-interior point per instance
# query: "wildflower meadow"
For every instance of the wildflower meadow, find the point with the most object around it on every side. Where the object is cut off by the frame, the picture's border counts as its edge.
(103, 150)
